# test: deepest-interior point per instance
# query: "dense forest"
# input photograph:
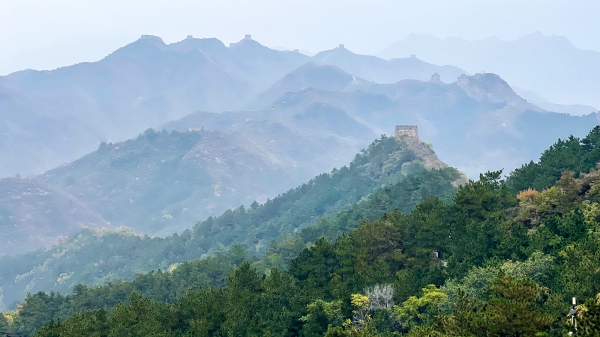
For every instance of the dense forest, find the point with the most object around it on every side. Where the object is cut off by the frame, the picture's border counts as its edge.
(502, 257)
(385, 176)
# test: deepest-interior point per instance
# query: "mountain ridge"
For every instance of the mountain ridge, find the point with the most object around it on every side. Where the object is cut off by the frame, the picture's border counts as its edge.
(549, 65)
(145, 84)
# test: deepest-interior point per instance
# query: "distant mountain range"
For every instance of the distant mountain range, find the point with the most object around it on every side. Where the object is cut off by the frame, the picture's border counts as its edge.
(295, 117)
(383, 71)
(476, 123)
(53, 117)
(202, 164)
(548, 65)
(571, 109)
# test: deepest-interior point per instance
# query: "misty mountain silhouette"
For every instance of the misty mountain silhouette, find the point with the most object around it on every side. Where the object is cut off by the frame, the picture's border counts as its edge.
(70, 110)
(548, 65)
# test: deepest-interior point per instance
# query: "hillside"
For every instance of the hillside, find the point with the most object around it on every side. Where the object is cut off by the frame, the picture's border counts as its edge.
(162, 182)
(310, 75)
(97, 257)
(446, 269)
(33, 214)
(548, 65)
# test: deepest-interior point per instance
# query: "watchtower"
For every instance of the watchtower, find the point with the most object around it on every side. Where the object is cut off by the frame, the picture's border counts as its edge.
(435, 78)
(406, 131)
(248, 37)
(463, 80)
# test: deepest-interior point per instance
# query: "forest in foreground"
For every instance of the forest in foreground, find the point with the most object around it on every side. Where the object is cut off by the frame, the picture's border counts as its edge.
(503, 257)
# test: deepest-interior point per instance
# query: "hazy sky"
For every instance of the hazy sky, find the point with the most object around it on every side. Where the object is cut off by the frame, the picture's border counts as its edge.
(42, 34)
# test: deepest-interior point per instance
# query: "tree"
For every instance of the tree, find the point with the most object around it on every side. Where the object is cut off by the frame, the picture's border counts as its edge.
(142, 317)
(589, 319)
(463, 322)
(478, 213)
(320, 315)
(242, 302)
(420, 310)
(512, 311)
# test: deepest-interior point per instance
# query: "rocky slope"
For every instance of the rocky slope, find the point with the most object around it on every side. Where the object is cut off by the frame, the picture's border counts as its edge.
(34, 214)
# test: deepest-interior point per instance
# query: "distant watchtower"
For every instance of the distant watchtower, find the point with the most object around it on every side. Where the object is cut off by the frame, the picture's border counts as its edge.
(406, 131)
(248, 37)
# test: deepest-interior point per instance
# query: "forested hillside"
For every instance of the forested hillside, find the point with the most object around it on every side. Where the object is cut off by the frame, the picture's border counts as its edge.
(161, 182)
(491, 262)
(97, 257)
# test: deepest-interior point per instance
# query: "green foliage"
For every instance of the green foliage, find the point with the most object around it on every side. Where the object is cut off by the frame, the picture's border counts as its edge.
(93, 257)
(512, 309)
(328, 205)
(473, 267)
(588, 320)
(320, 315)
(325, 281)
(419, 310)
(572, 154)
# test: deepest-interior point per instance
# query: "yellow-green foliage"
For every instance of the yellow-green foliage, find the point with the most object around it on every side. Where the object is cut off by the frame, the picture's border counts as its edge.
(548, 199)
(359, 301)
(591, 212)
(416, 308)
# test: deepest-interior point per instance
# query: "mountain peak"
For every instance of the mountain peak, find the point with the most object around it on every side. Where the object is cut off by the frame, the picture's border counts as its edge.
(246, 42)
(310, 75)
(142, 45)
(340, 50)
(488, 86)
(156, 40)
(410, 135)
(208, 45)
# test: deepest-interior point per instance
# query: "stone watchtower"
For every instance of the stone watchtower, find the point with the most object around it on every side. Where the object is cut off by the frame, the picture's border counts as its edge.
(406, 131)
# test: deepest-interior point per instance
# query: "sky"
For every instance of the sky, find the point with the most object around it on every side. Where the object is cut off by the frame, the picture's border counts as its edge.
(42, 34)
